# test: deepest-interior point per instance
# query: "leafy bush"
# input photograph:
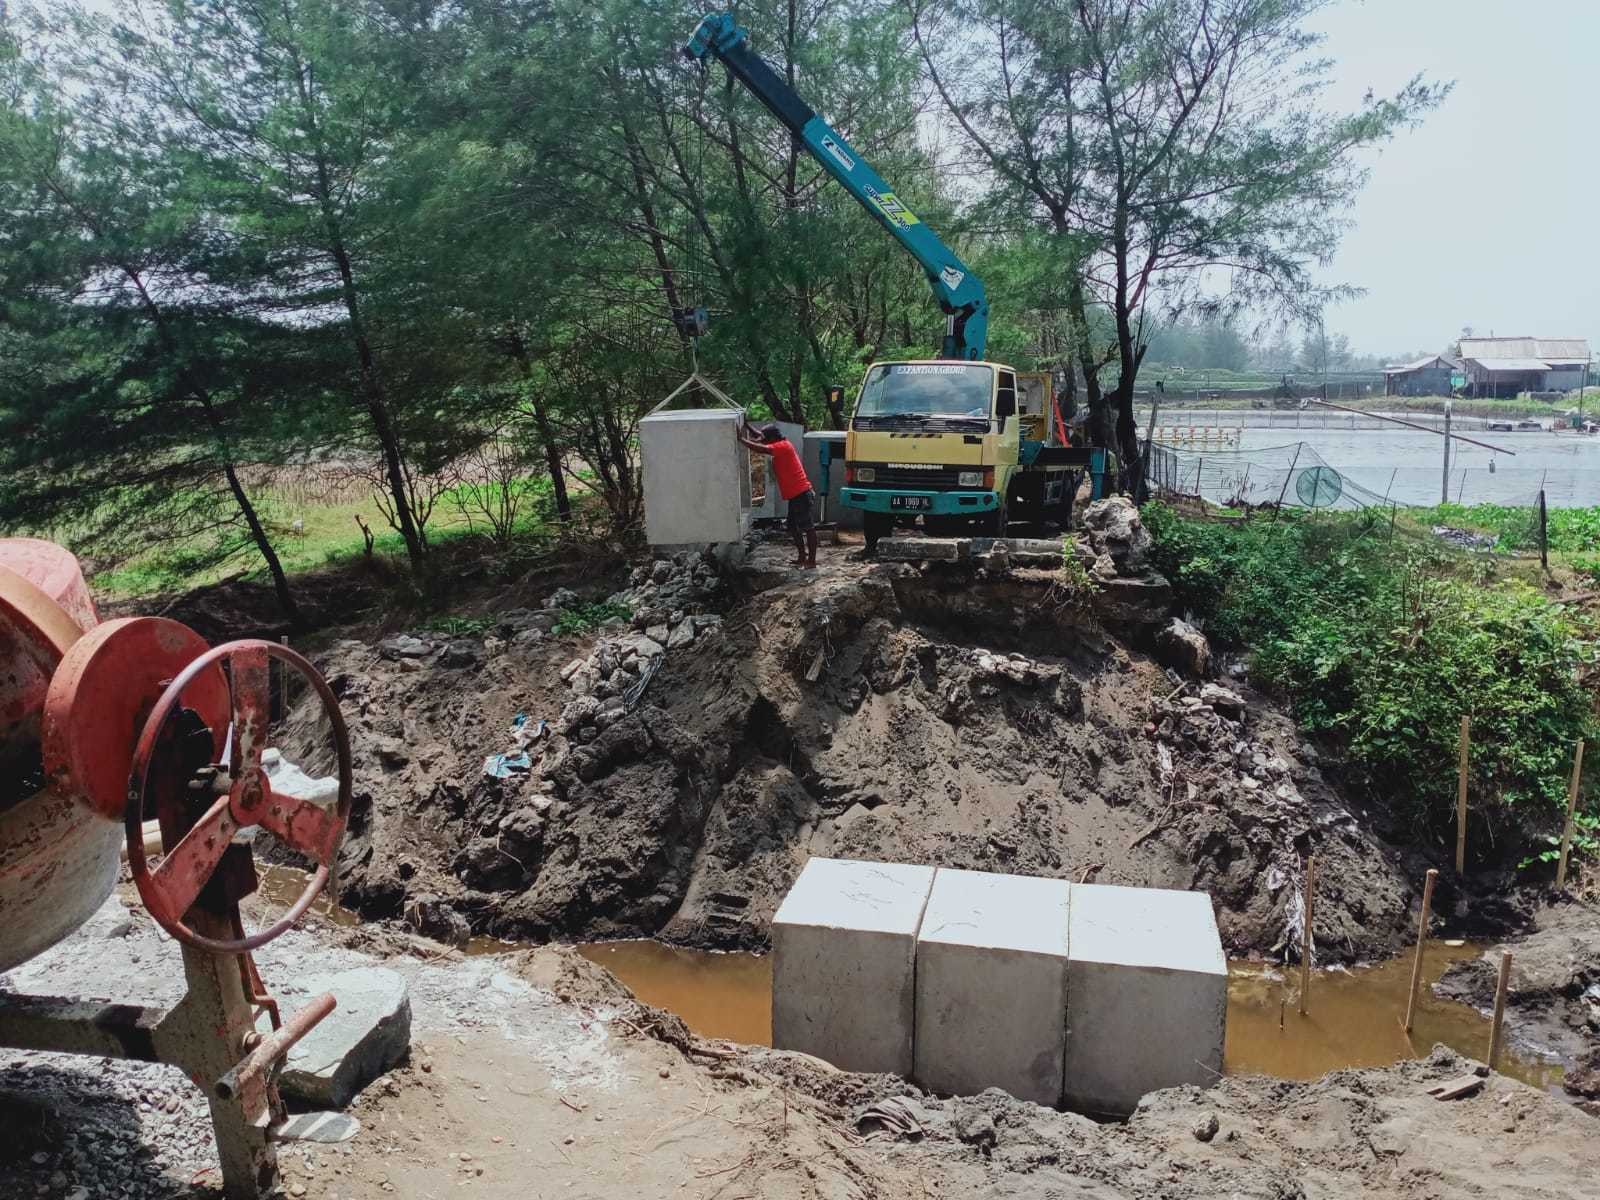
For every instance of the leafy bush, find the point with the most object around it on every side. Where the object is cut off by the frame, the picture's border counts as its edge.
(1386, 645)
(581, 618)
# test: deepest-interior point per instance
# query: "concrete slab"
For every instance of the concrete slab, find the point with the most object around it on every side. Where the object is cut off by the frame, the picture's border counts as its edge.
(992, 985)
(696, 477)
(369, 1032)
(921, 549)
(1149, 987)
(844, 945)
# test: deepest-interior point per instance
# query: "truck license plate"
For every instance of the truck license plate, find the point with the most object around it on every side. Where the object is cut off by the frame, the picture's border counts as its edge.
(909, 502)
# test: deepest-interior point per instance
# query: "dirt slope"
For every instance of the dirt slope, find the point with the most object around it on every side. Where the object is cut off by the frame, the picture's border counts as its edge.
(942, 714)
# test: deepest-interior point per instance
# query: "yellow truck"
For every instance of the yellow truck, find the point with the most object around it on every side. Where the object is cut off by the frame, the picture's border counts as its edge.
(962, 447)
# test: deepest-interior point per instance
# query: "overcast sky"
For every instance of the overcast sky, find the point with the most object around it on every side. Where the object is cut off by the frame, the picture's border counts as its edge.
(1487, 214)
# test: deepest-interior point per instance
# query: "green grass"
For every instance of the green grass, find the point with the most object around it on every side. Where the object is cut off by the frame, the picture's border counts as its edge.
(328, 535)
(1572, 531)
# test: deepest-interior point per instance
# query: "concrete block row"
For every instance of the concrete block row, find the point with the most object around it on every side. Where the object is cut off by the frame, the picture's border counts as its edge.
(1084, 995)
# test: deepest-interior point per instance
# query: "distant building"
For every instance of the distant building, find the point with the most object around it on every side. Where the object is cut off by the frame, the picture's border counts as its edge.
(1425, 377)
(1498, 366)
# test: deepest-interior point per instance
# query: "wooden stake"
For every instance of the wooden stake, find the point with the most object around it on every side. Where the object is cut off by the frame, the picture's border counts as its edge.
(1461, 797)
(1499, 1007)
(1572, 809)
(1305, 935)
(1422, 939)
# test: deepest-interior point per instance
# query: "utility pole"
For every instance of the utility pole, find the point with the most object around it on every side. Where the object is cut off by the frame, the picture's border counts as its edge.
(1583, 387)
(1444, 495)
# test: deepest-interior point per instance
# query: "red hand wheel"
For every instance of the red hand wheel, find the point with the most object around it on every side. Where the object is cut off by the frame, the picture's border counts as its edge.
(171, 888)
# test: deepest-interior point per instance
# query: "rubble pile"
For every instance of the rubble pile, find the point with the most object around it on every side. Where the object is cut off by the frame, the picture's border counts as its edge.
(662, 597)
(1210, 760)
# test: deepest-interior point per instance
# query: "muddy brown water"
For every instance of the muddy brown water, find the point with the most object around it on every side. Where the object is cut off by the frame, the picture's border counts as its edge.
(1353, 1019)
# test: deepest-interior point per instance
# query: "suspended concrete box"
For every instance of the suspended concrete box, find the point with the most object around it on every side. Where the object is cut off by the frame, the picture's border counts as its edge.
(696, 477)
(844, 948)
(1148, 995)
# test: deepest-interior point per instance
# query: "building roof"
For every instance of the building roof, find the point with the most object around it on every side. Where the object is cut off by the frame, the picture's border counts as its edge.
(1433, 360)
(1554, 351)
(1511, 364)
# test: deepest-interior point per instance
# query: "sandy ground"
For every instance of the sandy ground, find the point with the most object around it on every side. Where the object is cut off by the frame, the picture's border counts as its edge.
(538, 1075)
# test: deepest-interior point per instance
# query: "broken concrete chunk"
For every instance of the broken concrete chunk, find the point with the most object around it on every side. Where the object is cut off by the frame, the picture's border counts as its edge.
(368, 1033)
(648, 647)
(528, 637)
(1224, 700)
(571, 669)
(903, 549)
(683, 635)
(658, 634)
(289, 780)
(1115, 528)
(403, 646)
(1181, 646)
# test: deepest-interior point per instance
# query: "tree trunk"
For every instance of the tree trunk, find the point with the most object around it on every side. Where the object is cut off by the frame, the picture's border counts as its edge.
(202, 395)
(547, 437)
(377, 402)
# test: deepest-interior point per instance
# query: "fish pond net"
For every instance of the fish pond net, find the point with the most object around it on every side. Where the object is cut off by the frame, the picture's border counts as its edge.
(1296, 476)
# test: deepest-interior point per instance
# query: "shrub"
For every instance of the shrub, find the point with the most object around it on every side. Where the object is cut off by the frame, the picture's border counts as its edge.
(581, 618)
(1385, 645)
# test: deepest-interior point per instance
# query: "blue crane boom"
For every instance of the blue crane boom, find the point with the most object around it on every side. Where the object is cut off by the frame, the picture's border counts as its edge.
(959, 292)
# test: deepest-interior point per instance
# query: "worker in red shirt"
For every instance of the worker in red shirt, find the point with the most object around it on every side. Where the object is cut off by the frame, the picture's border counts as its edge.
(793, 486)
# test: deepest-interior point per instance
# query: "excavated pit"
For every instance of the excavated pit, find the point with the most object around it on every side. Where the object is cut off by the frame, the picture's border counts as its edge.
(943, 714)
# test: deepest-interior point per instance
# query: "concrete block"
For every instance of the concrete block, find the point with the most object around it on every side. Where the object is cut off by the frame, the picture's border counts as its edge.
(992, 985)
(696, 477)
(1035, 552)
(844, 945)
(913, 549)
(369, 1032)
(1149, 987)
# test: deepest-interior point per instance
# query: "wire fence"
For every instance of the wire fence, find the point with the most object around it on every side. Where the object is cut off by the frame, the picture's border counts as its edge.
(1295, 475)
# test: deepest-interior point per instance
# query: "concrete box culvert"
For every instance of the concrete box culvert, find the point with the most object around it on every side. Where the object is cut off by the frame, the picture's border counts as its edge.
(992, 976)
(844, 945)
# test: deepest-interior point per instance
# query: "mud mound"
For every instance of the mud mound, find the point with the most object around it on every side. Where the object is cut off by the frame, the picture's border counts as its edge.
(977, 720)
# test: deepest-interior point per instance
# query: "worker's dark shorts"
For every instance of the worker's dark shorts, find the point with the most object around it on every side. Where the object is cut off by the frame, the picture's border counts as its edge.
(802, 516)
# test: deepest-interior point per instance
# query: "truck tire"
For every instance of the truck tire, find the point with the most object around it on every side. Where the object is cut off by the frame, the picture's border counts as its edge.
(876, 525)
(999, 521)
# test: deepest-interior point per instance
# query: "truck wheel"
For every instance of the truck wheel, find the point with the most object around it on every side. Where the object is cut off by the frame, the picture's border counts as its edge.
(1000, 520)
(876, 525)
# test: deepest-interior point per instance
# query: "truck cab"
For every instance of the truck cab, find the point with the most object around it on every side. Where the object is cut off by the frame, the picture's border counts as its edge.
(945, 441)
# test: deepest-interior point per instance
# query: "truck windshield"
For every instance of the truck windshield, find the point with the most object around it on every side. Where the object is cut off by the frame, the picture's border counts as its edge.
(927, 390)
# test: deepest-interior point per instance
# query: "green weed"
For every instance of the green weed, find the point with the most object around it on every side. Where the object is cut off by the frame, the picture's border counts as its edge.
(582, 618)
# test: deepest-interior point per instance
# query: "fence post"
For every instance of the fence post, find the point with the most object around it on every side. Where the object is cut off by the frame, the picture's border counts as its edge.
(1422, 938)
(1461, 796)
(1572, 809)
(1285, 490)
(1544, 534)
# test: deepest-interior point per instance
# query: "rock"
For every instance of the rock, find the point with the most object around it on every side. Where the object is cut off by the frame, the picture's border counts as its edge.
(1206, 1128)
(459, 654)
(1222, 699)
(403, 646)
(617, 683)
(648, 647)
(683, 635)
(1115, 528)
(527, 637)
(368, 1033)
(1181, 646)
(436, 919)
(1141, 601)
(588, 733)
(706, 621)
(911, 549)
(974, 1126)
(605, 720)
(289, 780)
(578, 712)
(1103, 569)
(560, 598)
(660, 571)
(572, 668)
(658, 634)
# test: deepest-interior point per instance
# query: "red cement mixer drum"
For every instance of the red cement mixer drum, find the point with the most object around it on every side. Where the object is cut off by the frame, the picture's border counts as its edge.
(58, 860)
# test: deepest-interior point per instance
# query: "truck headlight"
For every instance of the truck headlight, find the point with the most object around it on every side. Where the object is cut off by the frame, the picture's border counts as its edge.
(970, 479)
(866, 475)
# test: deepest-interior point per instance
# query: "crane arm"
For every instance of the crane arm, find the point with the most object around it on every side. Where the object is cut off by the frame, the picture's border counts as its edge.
(959, 292)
